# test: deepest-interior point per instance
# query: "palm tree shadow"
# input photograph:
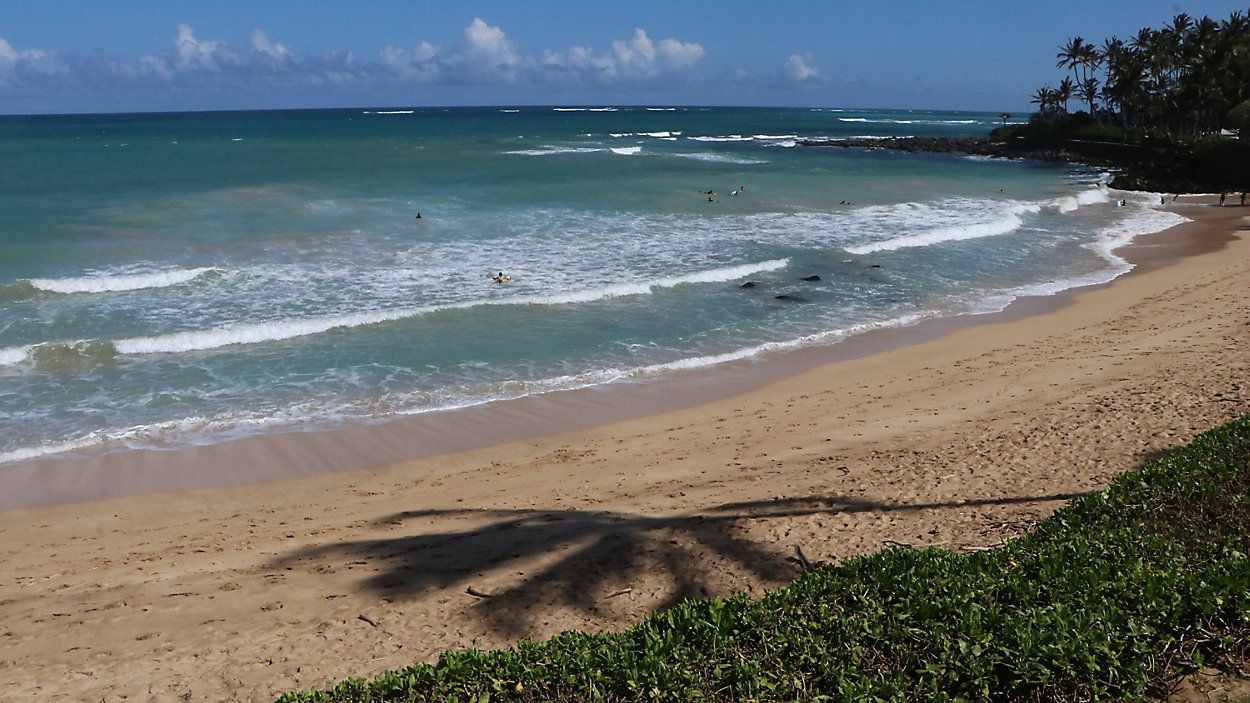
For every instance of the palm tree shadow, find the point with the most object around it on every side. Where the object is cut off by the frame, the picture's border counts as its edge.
(597, 552)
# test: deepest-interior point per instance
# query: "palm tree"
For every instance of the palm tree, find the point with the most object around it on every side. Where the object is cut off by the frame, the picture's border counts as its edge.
(1087, 90)
(1044, 98)
(1183, 77)
(1072, 55)
(1064, 93)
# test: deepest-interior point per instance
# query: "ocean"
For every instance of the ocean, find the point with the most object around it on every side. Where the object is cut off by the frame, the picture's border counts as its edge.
(178, 279)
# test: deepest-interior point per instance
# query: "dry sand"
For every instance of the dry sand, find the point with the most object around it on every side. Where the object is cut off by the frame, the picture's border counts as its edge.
(241, 593)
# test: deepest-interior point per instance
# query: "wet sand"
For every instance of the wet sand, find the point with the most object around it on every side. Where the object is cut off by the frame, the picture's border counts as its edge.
(957, 433)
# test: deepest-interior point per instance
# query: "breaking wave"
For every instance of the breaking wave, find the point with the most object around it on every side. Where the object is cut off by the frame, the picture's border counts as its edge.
(106, 283)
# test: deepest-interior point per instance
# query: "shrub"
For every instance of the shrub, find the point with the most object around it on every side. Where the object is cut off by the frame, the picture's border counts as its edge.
(1107, 599)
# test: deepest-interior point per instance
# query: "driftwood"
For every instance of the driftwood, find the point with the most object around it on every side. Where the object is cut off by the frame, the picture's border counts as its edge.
(367, 619)
(478, 594)
(621, 592)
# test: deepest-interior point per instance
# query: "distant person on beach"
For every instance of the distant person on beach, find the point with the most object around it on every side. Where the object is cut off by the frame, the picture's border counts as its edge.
(1243, 198)
(1223, 195)
(1163, 200)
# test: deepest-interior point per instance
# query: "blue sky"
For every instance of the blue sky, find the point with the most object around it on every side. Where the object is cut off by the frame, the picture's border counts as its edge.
(131, 55)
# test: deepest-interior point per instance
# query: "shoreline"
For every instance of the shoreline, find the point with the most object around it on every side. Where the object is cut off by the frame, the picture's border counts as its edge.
(958, 441)
(353, 446)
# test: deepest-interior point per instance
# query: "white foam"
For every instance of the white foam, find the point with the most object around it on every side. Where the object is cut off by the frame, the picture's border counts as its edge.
(626, 150)
(553, 150)
(1001, 225)
(717, 158)
(726, 138)
(661, 109)
(775, 136)
(1142, 219)
(105, 283)
(394, 112)
(865, 119)
(603, 109)
(568, 109)
(1089, 197)
(14, 355)
(509, 110)
(276, 330)
(1145, 220)
(199, 430)
(798, 343)
(27, 453)
(252, 333)
(656, 135)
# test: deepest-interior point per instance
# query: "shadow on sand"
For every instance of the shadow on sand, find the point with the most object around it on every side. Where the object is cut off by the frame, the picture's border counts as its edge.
(598, 551)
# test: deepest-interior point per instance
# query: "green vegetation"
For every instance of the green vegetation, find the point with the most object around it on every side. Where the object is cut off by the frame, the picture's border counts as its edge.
(1182, 79)
(1169, 98)
(1109, 599)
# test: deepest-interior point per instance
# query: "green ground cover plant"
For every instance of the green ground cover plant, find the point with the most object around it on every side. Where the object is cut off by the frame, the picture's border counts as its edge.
(1111, 598)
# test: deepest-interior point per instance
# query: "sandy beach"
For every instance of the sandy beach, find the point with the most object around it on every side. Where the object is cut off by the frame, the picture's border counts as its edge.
(217, 582)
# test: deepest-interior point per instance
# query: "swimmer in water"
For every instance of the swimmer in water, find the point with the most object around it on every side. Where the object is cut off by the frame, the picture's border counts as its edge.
(501, 278)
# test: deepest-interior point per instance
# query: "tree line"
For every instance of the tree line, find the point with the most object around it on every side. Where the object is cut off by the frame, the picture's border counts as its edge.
(1190, 77)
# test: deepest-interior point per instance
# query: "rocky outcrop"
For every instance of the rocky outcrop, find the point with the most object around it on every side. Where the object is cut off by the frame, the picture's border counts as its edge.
(1137, 167)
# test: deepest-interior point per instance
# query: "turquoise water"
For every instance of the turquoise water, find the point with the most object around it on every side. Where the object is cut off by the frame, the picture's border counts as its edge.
(188, 278)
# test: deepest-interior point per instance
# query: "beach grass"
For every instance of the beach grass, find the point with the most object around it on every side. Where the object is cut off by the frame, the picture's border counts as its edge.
(1111, 598)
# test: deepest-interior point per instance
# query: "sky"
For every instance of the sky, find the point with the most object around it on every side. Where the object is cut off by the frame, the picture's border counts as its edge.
(59, 56)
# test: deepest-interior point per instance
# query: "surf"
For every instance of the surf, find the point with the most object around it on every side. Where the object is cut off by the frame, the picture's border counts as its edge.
(116, 283)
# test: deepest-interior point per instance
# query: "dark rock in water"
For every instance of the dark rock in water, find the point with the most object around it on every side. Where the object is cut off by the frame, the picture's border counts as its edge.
(750, 284)
(875, 266)
(791, 298)
(810, 278)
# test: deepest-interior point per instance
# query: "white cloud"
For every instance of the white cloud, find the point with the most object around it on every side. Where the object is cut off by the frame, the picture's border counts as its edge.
(637, 57)
(418, 62)
(484, 51)
(678, 55)
(29, 62)
(800, 68)
(275, 51)
(483, 55)
(194, 54)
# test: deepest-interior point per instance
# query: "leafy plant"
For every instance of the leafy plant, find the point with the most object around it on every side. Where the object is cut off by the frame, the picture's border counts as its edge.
(1109, 599)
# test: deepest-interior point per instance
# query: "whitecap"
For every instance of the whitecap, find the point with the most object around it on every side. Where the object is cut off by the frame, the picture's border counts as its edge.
(726, 138)
(111, 283)
(717, 158)
(1004, 224)
(276, 330)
